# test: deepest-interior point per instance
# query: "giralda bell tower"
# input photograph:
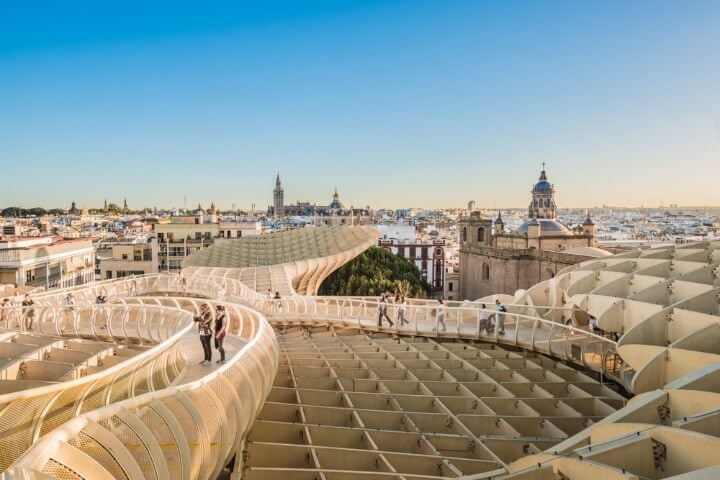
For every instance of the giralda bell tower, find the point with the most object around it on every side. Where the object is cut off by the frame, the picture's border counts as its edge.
(278, 194)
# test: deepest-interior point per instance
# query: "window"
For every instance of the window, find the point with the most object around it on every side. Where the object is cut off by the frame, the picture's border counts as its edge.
(124, 256)
(108, 274)
(481, 234)
(137, 255)
(450, 286)
(486, 272)
(147, 255)
(464, 234)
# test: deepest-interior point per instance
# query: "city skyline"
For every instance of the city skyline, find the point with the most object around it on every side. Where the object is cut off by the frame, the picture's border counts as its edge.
(399, 104)
(191, 204)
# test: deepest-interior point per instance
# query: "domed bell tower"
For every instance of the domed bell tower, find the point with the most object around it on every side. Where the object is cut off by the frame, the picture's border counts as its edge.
(543, 204)
(588, 227)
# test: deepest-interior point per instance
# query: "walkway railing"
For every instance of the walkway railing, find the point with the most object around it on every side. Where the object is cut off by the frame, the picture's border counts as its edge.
(192, 430)
(185, 432)
(203, 286)
(26, 415)
(567, 342)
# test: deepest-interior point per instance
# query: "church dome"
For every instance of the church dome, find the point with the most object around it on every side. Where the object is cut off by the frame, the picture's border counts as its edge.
(542, 186)
(548, 226)
(336, 204)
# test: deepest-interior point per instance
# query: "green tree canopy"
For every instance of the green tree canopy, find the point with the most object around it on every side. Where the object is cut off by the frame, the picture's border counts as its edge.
(113, 209)
(374, 272)
(23, 212)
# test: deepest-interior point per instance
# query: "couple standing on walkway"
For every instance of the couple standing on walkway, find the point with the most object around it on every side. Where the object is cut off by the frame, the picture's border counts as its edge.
(207, 328)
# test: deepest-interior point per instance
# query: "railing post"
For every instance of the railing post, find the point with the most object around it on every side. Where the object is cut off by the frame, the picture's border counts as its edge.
(532, 335)
(550, 337)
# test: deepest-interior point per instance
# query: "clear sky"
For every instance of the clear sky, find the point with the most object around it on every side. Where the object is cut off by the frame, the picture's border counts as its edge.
(397, 103)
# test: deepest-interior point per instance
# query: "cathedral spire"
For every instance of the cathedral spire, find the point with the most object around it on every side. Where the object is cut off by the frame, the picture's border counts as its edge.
(278, 198)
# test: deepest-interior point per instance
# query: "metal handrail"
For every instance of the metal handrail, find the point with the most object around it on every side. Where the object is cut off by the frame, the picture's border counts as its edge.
(64, 399)
(564, 341)
(248, 374)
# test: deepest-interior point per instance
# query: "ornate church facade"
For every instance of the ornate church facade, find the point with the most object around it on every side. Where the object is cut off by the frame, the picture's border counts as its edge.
(495, 261)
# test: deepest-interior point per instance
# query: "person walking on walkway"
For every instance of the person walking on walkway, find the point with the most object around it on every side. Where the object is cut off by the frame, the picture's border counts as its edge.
(102, 313)
(17, 309)
(5, 312)
(484, 319)
(220, 331)
(29, 312)
(204, 319)
(277, 303)
(500, 317)
(382, 311)
(401, 307)
(102, 297)
(440, 316)
(69, 311)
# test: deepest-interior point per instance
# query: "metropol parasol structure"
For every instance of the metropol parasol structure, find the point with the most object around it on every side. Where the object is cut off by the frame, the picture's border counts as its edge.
(314, 389)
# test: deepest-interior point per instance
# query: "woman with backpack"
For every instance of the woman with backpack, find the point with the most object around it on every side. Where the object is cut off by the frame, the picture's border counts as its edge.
(500, 317)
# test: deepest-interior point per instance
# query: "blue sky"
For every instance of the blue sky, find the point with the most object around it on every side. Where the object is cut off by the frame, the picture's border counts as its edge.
(397, 103)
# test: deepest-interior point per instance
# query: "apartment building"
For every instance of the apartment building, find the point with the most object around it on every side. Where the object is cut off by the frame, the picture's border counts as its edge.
(47, 262)
(180, 236)
(123, 258)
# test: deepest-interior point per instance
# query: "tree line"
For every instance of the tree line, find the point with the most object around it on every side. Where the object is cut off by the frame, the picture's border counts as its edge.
(374, 272)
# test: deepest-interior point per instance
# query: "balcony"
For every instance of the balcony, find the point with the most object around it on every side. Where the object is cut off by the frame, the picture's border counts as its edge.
(9, 256)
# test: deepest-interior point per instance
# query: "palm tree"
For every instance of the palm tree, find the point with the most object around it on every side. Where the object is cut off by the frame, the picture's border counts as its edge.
(403, 288)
